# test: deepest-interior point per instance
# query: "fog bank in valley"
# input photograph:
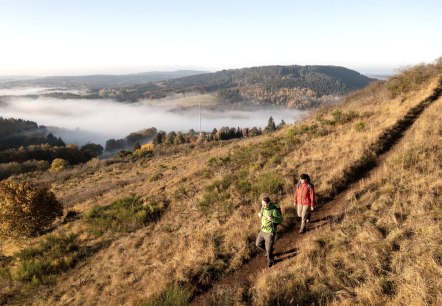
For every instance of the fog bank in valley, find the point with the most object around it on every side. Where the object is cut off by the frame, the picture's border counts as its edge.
(23, 91)
(99, 120)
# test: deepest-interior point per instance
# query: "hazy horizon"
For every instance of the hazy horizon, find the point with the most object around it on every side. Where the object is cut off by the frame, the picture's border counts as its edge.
(114, 37)
(364, 71)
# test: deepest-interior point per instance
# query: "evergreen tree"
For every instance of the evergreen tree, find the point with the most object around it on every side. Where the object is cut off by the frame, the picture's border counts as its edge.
(159, 138)
(270, 125)
(171, 138)
(282, 124)
(136, 146)
(179, 139)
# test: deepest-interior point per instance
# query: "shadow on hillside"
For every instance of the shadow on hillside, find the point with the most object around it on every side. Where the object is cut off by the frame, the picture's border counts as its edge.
(284, 255)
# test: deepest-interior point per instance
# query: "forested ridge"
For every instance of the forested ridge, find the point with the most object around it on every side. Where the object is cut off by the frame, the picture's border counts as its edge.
(15, 133)
(292, 86)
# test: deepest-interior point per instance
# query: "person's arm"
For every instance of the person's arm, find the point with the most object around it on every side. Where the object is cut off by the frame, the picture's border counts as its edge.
(312, 196)
(276, 216)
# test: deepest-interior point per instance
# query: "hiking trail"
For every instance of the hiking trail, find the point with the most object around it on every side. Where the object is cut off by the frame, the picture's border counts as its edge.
(287, 245)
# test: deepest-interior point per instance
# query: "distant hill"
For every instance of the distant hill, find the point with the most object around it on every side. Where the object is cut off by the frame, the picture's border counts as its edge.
(292, 86)
(178, 225)
(287, 86)
(102, 81)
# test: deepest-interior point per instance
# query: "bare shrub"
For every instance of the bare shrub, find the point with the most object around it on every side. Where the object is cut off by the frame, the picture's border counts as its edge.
(26, 209)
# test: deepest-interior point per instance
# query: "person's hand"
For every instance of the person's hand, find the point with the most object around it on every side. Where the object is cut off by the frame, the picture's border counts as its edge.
(312, 208)
(259, 215)
(269, 218)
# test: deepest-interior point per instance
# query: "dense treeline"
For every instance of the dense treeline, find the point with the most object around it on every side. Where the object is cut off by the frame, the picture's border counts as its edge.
(131, 140)
(47, 153)
(16, 133)
(324, 80)
(26, 147)
(224, 133)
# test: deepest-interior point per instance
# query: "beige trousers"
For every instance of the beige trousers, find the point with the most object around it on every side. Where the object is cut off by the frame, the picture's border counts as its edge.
(304, 213)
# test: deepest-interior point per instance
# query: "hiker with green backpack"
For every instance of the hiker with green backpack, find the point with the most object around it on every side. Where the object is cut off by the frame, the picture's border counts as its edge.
(270, 216)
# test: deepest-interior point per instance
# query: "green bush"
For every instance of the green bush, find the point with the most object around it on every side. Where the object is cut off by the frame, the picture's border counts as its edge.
(71, 215)
(173, 296)
(360, 126)
(210, 197)
(125, 215)
(218, 162)
(5, 274)
(269, 182)
(123, 154)
(52, 256)
(341, 117)
(26, 209)
(243, 186)
(180, 193)
(156, 177)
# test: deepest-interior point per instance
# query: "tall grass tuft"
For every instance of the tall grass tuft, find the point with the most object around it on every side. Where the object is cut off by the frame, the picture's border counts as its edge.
(55, 254)
(125, 215)
(172, 296)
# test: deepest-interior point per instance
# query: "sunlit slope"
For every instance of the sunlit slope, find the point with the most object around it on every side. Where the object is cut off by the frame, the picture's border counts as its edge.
(208, 223)
(387, 249)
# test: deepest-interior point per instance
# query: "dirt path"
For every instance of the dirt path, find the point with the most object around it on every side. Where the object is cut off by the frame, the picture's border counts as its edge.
(286, 247)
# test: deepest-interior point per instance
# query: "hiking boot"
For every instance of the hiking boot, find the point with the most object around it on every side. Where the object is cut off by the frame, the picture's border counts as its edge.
(270, 263)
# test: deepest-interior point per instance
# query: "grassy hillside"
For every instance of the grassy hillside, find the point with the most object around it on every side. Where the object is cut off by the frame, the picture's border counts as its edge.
(164, 229)
(387, 249)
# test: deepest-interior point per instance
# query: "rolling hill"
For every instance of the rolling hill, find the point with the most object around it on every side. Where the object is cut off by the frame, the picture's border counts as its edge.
(99, 81)
(293, 86)
(288, 86)
(171, 228)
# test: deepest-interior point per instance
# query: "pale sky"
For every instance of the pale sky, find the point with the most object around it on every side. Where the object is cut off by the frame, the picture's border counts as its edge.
(72, 37)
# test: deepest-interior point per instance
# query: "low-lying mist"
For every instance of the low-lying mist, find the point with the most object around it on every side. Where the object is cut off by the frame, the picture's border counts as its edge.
(99, 120)
(23, 91)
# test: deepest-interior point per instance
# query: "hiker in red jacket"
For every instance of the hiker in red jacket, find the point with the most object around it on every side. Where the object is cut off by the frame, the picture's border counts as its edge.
(304, 200)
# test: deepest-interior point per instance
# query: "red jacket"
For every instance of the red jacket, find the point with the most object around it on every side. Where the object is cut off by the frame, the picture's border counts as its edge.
(305, 194)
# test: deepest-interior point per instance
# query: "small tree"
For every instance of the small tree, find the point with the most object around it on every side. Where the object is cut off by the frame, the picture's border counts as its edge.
(59, 164)
(92, 149)
(270, 125)
(179, 139)
(170, 138)
(159, 138)
(136, 146)
(26, 209)
(281, 125)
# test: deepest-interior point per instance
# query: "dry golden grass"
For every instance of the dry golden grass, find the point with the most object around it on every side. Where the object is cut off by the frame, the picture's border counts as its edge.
(387, 250)
(191, 246)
